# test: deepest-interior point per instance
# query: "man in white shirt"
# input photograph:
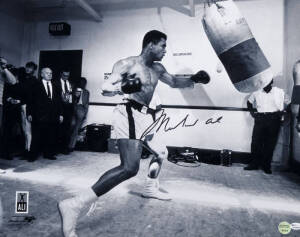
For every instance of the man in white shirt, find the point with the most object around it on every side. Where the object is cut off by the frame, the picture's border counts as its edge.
(266, 107)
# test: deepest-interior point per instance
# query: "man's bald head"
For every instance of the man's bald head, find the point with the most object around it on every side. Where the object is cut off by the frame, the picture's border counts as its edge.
(46, 74)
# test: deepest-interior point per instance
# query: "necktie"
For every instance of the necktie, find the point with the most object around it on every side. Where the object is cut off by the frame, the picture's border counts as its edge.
(66, 87)
(77, 99)
(48, 90)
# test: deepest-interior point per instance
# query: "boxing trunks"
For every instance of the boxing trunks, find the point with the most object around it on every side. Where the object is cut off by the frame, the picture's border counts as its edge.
(131, 119)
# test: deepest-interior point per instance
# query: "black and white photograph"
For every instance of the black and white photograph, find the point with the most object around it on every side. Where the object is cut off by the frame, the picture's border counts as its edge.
(149, 118)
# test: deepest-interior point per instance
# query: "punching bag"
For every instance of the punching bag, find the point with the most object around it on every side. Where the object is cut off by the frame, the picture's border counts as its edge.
(233, 42)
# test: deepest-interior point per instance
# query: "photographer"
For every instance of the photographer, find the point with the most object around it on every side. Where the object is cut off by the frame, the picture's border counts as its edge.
(7, 77)
(5, 72)
(12, 101)
(81, 106)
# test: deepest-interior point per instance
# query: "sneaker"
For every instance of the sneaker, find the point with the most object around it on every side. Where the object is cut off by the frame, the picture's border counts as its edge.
(69, 212)
(70, 209)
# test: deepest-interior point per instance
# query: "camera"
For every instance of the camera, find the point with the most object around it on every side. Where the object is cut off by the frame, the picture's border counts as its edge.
(4, 65)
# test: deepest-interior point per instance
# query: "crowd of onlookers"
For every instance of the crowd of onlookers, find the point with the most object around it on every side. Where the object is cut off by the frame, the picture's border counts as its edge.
(45, 112)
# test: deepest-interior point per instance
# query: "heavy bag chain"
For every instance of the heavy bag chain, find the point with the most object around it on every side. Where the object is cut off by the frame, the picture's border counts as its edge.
(210, 2)
(219, 7)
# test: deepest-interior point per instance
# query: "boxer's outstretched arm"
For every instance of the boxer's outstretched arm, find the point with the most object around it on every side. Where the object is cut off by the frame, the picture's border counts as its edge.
(112, 86)
(174, 81)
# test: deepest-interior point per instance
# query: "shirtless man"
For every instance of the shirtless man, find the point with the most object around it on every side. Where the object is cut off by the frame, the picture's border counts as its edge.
(137, 77)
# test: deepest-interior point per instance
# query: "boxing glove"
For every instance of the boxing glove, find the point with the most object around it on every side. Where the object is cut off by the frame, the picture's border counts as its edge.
(130, 84)
(201, 77)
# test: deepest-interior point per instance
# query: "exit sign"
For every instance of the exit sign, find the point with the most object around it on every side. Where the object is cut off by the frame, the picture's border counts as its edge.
(59, 28)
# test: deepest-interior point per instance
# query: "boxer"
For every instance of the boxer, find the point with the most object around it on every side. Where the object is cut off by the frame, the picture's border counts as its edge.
(137, 77)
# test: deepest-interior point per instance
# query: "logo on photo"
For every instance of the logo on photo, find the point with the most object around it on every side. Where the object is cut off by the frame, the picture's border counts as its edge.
(22, 202)
(285, 227)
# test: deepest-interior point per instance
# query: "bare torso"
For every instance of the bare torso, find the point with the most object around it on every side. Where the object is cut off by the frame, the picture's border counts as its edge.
(149, 76)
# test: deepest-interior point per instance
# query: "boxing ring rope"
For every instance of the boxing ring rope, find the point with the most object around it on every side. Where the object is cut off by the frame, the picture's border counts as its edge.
(183, 107)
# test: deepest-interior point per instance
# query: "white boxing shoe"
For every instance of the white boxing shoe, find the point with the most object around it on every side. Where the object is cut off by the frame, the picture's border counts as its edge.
(70, 210)
(152, 190)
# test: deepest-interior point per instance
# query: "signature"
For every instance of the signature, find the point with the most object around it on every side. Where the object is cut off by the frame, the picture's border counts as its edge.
(211, 121)
(163, 122)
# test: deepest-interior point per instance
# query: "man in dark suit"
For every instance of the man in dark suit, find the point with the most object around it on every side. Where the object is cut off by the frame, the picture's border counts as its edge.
(81, 106)
(27, 80)
(66, 89)
(45, 112)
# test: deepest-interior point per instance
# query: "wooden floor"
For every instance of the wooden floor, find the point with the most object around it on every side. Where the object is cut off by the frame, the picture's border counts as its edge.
(208, 201)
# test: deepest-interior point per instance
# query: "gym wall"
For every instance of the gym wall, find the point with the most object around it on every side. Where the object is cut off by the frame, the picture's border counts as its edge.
(11, 27)
(188, 50)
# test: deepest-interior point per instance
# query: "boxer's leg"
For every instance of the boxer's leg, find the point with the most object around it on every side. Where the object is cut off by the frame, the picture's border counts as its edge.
(156, 162)
(159, 152)
(130, 154)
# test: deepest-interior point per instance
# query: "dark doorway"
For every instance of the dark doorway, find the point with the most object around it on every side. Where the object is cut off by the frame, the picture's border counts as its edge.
(61, 59)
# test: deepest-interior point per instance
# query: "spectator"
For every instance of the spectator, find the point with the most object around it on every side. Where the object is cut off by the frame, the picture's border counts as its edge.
(45, 113)
(81, 106)
(5, 72)
(266, 107)
(8, 79)
(5, 76)
(2, 78)
(67, 105)
(11, 115)
(27, 81)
